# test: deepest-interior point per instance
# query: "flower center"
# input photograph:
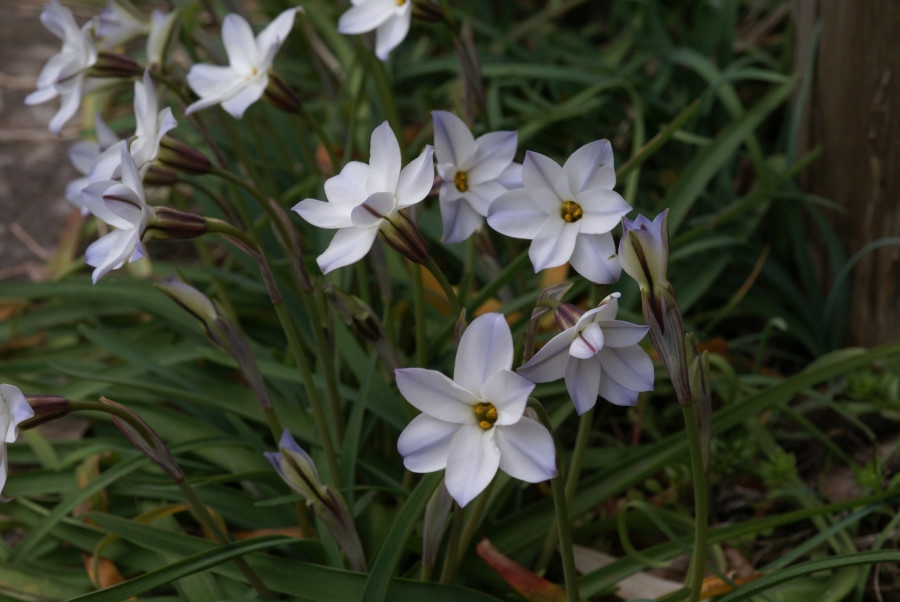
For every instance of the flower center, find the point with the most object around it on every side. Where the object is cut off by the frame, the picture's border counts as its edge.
(571, 211)
(486, 415)
(401, 2)
(461, 179)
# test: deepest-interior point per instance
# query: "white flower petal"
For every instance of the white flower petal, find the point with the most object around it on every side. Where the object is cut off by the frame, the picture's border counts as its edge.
(509, 393)
(553, 245)
(349, 186)
(246, 96)
(82, 155)
(71, 100)
(622, 334)
(549, 363)
(121, 210)
(436, 395)
(211, 80)
(603, 210)
(511, 177)
(240, 45)
(111, 252)
(16, 409)
(349, 245)
(366, 16)
(545, 180)
(526, 451)
(615, 393)
(472, 463)
(486, 347)
(322, 214)
(481, 195)
(494, 152)
(587, 343)
(595, 258)
(389, 34)
(583, 382)
(425, 443)
(276, 32)
(604, 312)
(459, 220)
(515, 214)
(453, 142)
(373, 210)
(590, 167)
(384, 160)
(631, 367)
(416, 179)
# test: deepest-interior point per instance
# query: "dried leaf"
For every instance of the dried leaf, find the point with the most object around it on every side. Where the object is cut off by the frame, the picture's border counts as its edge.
(529, 585)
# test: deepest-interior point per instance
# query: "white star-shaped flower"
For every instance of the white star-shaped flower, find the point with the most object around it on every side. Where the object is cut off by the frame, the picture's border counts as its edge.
(64, 73)
(244, 80)
(567, 211)
(389, 18)
(83, 155)
(122, 205)
(14, 409)
(364, 199)
(598, 355)
(474, 424)
(474, 173)
(119, 24)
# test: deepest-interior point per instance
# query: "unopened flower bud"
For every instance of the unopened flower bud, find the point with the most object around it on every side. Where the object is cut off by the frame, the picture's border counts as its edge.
(46, 408)
(644, 249)
(111, 64)
(567, 315)
(698, 370)
(298, 471)
(159, 176)
(427, 11)
(177, 155)
(402, 235)
(355, 313)
(191, 299)
(280, 95)
(145, 439)
(172, 223)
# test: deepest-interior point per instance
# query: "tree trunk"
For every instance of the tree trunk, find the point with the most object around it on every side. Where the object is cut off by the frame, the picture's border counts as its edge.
(853, 112)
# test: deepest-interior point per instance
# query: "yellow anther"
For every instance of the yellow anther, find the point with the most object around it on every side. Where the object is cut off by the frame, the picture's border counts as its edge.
(461, 179)
(401, 2)
(571, 211)
(486, 415)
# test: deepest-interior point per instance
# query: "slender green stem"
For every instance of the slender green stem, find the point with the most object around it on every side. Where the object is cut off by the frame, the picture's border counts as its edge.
(317, 318)
(448, 571)
(315, 403)
(697, 568)
(218, 226)
(439, 275)
(473, 521)
(468, 276)
(237, 180)
(385, 95)
(323, 137)
(566, 552)
(419, 313)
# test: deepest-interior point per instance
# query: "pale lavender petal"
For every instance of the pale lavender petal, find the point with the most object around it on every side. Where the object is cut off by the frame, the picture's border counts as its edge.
(595, 258)
(111, 252)
(384, 160)
(425, 443)
(527, 452)
(349, 186)
(16, 409)
(615, 393)
(603, 210)
(587, 343)
(67, 109)
(583, 382)
(436, 395)
(453, 142)
(459, 220)
(485, 348)
(366, 16)
(373, 210)
(545, 180)
(389, 34)
(348, 246)
(494, 152)
(511, 177)
(82, 155)
(471, 463)
(416, 179)
(549, 363)
(322, 214)
(631, 367)
(622, 334)
(509, 393)
(515, 214)
(481, 195)
(590, 167)
(553, 245)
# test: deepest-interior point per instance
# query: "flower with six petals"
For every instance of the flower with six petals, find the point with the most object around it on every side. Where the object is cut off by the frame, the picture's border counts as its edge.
(598, 355)
(64, 73)
(567, 211)
(474, 424)
(367, 200)
(474, 173)
(389, 18)
(244, 80)
(83, 155)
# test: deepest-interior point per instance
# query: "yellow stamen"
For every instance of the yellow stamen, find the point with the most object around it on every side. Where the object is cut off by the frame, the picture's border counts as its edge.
(461, 179)
(571, 211)
(401, 2)
(486, 415)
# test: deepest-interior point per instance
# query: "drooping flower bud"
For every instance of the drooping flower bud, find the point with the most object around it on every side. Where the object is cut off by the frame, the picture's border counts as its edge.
(401, 234)
(145, 439)
(280, 95)
(159, 176)
(111, 64)
(567, 315)
(177, 155)
(173, 223)
(46, 408)
(355, 313)
(298, 471)
(698, 368)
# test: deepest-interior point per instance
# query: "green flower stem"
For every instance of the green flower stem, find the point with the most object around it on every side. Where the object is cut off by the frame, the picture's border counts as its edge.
(201, 512)
(313, 123)
(438, 273)
(239, 181)
(566, 552)
(385, 95)
(311, 393)
(473, 521)
(218, 226)
(317, 314)
(244, 157)
(694, 579)
(419, 313)
(448, 571)
(468, 276)
(585, 422)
